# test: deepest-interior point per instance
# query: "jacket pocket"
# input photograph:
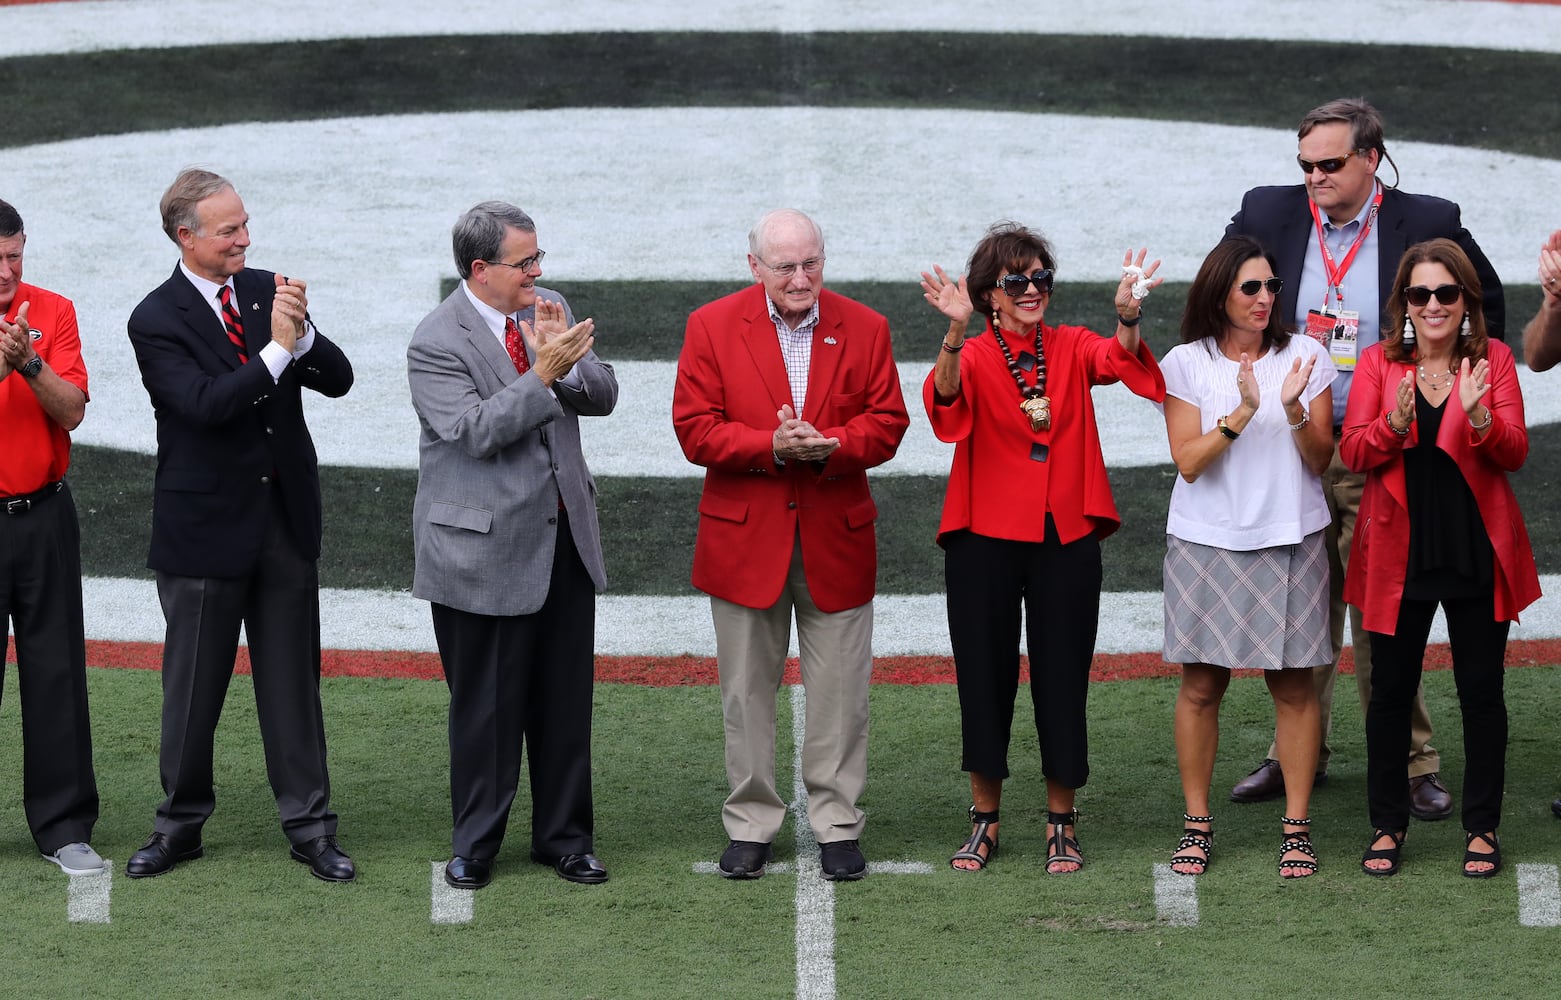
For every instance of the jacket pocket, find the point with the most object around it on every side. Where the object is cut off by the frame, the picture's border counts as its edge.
(860, 515)
(724, 508)
(455, 515)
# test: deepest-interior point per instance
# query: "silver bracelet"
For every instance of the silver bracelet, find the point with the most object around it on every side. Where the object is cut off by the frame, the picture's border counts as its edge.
(1306, 418)
(1490, 417)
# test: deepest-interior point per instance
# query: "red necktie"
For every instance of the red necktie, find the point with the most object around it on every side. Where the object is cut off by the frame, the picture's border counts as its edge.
(232, 324)
(513, 344)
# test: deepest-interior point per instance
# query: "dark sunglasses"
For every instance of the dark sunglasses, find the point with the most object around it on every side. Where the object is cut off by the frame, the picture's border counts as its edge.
(1251, 287)
(1332, 165)
(1420, 295)
(1015, 284)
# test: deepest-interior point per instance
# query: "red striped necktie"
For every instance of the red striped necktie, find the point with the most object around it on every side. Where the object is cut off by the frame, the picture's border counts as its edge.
(232, 323)
(513, 344)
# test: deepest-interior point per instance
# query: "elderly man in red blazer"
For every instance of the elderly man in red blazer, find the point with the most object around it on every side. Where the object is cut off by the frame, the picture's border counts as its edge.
(787, 394)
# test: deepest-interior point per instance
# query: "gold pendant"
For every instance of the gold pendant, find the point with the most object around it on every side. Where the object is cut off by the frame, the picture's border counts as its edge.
(1039, 410)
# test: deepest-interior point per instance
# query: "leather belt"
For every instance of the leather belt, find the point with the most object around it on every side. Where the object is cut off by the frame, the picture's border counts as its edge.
(24, 503)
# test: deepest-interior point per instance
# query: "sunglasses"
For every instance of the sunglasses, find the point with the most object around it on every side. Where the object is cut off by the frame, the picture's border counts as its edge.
(1252, 286)
(1332, 165)
(1420, 295)
(1015, 284)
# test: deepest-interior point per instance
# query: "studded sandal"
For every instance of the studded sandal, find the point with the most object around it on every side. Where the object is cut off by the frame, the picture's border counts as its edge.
(1297, 840)
(1192, 837)
(971, 849)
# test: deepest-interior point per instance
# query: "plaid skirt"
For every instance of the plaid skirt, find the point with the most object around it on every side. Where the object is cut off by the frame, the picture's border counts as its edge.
(1266, 609)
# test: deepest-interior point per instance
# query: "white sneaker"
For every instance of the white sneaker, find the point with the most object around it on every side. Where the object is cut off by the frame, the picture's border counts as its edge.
(77, 859)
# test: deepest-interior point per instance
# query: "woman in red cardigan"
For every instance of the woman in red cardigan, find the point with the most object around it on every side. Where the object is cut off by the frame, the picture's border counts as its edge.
(1435, 420)
(1015, 401)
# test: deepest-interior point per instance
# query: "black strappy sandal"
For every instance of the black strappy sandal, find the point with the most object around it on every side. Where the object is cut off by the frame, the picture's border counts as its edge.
(1471, 857)
(1062, 849)
(971, 849)
(1297, 840)
(1203, 840)
(1388, 854)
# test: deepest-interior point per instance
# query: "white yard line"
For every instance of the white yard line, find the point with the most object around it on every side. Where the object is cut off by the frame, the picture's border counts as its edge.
(815, 894)
(1539, 896)
(87, 899)
(449, 905)
(1175, 897)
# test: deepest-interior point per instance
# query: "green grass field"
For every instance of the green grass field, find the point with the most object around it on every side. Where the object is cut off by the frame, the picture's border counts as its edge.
(248, 922)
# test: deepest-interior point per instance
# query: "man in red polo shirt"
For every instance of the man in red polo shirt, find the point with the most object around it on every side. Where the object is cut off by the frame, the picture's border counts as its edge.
(43, 396)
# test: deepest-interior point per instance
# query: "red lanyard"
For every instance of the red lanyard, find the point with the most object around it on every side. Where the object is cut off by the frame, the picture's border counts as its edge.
(1337, 271)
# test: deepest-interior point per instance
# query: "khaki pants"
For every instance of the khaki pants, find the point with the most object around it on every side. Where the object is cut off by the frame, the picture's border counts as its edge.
(1342, 489)
(836, 654)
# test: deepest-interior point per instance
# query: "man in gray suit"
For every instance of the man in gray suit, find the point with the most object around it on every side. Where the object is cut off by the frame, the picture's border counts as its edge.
(507, 546)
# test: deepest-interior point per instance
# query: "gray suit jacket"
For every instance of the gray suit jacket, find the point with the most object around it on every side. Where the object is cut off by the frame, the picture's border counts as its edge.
(496, 455)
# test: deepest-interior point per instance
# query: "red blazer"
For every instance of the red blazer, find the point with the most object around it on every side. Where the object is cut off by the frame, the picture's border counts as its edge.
(731, 381)
(1379, 554)
(997, 487)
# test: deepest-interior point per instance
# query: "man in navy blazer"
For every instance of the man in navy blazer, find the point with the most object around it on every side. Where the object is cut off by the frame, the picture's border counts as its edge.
(508, 551)
(1340, 147)
(224, 352)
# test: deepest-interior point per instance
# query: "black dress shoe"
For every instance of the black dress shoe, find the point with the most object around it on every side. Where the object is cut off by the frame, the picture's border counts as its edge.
(159, 854)
(842, 861)
(468, 873)
(1429, 799)
(325, 859)
(1555, 807)
(583, 868)
(743, 859)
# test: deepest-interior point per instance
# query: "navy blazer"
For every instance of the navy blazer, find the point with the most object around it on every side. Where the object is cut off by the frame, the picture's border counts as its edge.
(1278, 218)
(227, 435)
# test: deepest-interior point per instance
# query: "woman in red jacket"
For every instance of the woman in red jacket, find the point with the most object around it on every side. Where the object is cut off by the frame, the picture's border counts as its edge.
(1015, 401)
(1435, 420)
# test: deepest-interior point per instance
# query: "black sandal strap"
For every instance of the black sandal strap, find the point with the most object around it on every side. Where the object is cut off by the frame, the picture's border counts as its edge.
(1065, 819)
(977, 816)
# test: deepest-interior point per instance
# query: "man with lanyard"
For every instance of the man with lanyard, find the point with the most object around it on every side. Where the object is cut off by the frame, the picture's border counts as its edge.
(1337, 240)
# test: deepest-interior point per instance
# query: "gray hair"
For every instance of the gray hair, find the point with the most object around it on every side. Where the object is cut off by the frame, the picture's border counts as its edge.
(188, 190)
(761, 229)
(479, 233)
(10, 220)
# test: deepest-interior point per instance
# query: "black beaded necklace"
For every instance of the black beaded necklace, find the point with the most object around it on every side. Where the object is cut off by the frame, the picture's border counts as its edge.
(1032, 398)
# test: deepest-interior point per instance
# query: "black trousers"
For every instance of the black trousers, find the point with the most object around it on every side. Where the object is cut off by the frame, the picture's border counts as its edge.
(1479, 647)
(40, 591)
(989, 580)
(523, 679)
(278, 604)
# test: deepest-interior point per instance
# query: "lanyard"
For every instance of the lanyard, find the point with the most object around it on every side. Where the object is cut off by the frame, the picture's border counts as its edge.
(1337, 270)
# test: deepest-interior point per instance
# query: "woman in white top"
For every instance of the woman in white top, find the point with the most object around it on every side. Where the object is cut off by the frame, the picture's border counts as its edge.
(1249, 414)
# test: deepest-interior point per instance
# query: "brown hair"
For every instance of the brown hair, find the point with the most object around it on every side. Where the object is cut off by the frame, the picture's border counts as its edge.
(1204, 316)
(1006, 247)
(1451, 256)
(189, 189)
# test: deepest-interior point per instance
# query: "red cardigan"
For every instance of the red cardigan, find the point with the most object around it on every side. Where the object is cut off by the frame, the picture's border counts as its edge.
(1379, 554)
(996, 488)
(731, 379)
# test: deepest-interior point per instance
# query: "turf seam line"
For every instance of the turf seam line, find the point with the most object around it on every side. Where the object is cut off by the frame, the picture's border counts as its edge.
(1539, 896)
(815, 894)
(87, 898)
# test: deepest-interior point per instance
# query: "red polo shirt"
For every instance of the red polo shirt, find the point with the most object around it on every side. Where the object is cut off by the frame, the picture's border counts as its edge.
(37, 450)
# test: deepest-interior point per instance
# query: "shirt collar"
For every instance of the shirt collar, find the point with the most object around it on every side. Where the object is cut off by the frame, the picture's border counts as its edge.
(205, 286)
(490, 315)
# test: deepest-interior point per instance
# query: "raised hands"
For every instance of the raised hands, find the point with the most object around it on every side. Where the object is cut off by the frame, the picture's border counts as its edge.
(556, 346)
(1295, 381)
(948, 296)
(1473, 384)
(288, 310)
(1137, 282)
(1246, 384)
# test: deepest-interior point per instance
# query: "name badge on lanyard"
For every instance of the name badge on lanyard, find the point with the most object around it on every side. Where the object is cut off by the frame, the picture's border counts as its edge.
(1333, 326)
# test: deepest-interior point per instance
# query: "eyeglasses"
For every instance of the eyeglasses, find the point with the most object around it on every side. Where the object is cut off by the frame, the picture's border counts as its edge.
(1332, 165)
(524, 265)
(1015, 284)
(1420, 295)
(1251, 286)
(812, 265)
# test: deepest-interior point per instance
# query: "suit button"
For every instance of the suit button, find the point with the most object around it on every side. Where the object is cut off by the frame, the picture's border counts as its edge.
(265, 480)
(270, 431)
(552, 520)
(792, 505)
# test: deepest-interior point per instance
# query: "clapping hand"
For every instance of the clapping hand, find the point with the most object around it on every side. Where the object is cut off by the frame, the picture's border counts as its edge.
(1473, 384)
(1295, 382)
(1404, 411)
(1246, 384)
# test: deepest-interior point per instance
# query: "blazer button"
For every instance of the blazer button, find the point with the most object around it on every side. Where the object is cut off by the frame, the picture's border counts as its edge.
(265, 480)
(270, 430)
(792, 505)
(552, 520)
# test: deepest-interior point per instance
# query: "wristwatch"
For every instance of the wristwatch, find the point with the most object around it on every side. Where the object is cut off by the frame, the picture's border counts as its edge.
(32, 368)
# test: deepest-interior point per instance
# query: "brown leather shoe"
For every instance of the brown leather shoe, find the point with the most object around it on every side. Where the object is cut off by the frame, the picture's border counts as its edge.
(1429, 799)
(1267, 782)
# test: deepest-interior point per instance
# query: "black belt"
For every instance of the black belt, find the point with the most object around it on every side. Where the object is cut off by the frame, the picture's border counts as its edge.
(26, 502)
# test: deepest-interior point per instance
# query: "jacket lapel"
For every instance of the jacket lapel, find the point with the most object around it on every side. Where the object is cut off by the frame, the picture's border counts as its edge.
(202, 322)
(829, 344)
(764, 347)
(483, 342)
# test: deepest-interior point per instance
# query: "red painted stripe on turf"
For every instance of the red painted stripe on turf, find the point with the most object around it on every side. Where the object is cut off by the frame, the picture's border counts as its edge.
(676, 671)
